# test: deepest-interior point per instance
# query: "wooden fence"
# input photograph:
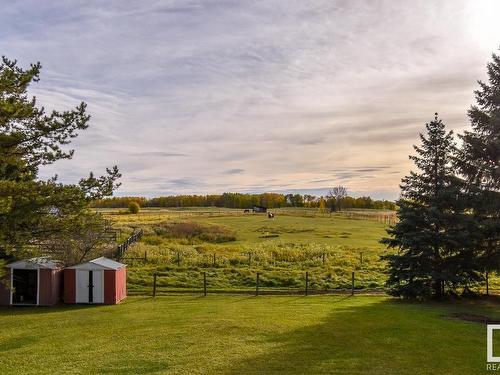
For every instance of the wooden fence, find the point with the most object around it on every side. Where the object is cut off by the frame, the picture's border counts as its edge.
(259, 288)
(122, 248)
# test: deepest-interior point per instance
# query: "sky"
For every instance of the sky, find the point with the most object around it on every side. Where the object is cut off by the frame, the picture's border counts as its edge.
(253, 96)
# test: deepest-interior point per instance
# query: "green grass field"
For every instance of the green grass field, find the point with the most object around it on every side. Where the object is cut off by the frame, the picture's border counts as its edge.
(247, 335)
(282, 250)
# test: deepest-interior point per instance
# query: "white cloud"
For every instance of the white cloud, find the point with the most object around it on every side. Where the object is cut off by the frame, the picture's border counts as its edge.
(185, 93)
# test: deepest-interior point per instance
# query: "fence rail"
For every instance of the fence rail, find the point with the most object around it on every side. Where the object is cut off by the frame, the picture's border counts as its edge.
(204, 286)
(122, 248)
(384, 216)
(258, 283)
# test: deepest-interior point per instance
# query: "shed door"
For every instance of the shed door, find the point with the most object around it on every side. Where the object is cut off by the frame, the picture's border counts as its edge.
(25, 284)
(98, 292)
(89, 286)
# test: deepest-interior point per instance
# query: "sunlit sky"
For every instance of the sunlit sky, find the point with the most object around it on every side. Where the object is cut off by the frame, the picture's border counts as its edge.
(253, 96)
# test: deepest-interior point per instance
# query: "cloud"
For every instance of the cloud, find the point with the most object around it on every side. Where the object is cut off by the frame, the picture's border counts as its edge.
(291, 93)
(234, 171)
(159, 153)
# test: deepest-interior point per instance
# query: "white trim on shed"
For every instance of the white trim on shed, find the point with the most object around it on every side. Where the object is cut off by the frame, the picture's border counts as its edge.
(99, 263)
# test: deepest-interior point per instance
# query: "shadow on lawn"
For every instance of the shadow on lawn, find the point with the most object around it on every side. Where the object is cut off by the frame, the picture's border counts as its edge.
(33, 310)
(385, 337)
(61, 307)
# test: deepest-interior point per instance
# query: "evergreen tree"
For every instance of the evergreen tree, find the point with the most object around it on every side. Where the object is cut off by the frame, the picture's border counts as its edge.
(432, 233)
(34, 212)
(479, 164)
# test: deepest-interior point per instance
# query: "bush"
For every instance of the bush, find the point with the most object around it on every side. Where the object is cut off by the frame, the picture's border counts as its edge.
(192, 230)
(134, 208)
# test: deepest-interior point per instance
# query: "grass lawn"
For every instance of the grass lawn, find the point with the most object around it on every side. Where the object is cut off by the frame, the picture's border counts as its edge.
(246, 335)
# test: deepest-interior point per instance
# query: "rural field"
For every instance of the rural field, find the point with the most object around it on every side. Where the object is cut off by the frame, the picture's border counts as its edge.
(230, 247)
(248, 335)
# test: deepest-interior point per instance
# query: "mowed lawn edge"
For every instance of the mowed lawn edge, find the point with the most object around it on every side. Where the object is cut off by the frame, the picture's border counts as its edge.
(247, 335)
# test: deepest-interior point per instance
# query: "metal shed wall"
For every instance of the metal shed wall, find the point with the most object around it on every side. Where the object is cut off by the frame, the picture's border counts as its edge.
(69, 285)
(4, 289)
(50, 287)
(115, 285)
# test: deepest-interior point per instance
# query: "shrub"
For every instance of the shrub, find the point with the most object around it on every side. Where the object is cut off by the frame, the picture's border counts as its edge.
(134, 208)
(191, 231)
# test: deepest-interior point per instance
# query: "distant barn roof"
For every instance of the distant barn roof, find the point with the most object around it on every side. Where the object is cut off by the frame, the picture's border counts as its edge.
(35, 263)
(101, 262)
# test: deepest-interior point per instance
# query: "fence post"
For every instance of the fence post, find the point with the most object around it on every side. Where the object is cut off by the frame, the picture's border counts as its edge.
(257, 285)
(307, 283)
(145, 256)
(154, 285)
(352, 285)
(487, 284)
(178, 259)
(204, 283)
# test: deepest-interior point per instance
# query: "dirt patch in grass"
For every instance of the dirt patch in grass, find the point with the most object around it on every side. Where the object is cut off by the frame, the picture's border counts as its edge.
(282, 230)
(270, 235)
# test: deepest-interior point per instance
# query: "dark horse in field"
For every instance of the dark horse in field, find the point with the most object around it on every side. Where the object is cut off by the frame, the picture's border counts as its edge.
(270, 215)
(246, 211)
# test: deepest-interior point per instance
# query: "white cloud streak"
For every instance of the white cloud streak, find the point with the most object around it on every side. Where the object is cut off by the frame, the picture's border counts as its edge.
(212, 96)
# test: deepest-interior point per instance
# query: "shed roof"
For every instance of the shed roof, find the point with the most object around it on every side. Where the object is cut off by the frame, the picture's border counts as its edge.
(35, 263)
(102, 262)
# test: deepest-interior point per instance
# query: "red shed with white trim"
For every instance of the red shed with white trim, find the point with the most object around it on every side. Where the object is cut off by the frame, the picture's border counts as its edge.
(97, 281)
(32, 282)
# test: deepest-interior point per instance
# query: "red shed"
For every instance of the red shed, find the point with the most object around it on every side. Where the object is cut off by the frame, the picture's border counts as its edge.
(35, 281)
(101, 280)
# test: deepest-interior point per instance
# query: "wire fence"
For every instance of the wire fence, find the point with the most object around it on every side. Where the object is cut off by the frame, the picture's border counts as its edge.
(253, 282)
(259, 282)
(384, 216)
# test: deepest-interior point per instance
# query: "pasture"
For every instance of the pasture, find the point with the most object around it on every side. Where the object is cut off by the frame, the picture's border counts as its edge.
(229, 248)
(248, 335)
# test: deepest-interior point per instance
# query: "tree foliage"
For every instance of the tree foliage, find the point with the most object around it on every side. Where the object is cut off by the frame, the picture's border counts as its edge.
(433, 232)
(134, 208)
(448, 235)
(238, 200)
(337, 196)
(478, 162)
(34, 212)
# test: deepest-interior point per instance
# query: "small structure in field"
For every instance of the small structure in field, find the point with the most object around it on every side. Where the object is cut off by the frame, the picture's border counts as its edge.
(32, 282)
(259, 209)
(98, 281)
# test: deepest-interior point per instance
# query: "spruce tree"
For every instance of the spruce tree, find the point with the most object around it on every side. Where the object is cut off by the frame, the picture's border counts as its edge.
(431, 234)
(478, 161)
(36, 212)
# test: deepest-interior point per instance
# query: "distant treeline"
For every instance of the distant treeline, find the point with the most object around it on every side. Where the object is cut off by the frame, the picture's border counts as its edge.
(238, 200)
